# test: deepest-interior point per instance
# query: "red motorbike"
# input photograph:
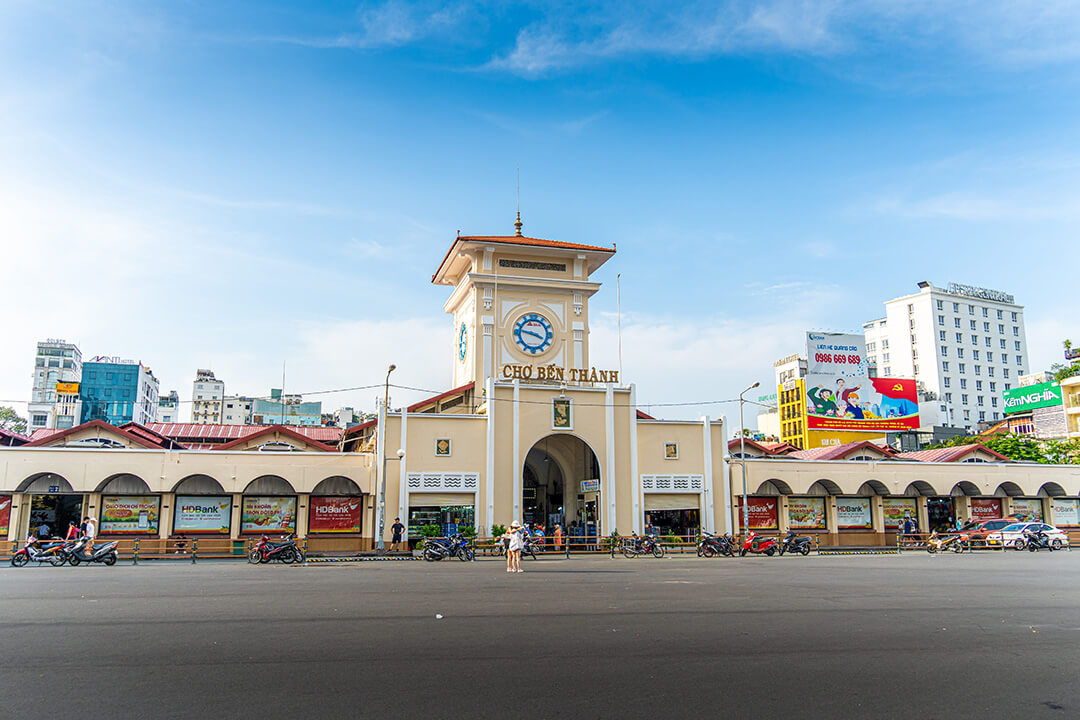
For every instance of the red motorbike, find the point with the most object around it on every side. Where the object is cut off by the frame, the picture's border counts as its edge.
(286, 551)
(758, 545)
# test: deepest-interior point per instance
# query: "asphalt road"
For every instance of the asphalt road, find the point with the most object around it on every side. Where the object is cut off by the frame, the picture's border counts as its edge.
(984, 635)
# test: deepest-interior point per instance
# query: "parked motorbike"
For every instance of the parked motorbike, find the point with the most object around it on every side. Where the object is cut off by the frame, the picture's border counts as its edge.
(75, 553)
(435, 549)
(532, 546)
(936, 543)
(793, 543)
(758, 545)
(712, 545)
(37, 551)
(643, 546)
(1038, 540)
(285, 551)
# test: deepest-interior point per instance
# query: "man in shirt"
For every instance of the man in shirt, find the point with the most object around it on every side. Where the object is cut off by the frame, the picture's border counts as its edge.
(91, 533)
(398, 529)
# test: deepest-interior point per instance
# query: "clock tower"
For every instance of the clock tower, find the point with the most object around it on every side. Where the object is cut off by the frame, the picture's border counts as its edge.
(518, 300)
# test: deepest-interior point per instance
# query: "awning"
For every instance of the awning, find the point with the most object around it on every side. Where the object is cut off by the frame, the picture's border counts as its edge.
(440, 499)
(672, 501)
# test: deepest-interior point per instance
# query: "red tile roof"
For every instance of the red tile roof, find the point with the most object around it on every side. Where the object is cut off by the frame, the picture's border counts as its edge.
(950, 454)
(10, 437)
(43, 439)
(840, 452)
(213, 435)
(270, 430)
(441, 396)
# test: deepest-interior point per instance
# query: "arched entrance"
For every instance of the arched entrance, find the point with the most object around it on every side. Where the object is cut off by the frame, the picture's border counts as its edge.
(54, 504)
(560, 485)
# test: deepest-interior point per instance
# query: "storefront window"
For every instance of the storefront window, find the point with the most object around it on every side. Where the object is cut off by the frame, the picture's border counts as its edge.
(1027, 509)
(450, 518)
(674, 522)
(268, 514)
(202, 514)
(898, 509)
(854, 513)
(806, 513)
(1066, 512)
(939, 513)
(50, 514)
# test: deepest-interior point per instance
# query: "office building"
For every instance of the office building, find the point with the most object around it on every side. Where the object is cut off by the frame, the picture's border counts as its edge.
(54, 397)
(118, 391)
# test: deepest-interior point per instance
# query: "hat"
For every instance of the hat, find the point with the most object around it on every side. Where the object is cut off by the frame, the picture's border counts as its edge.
(515, 524)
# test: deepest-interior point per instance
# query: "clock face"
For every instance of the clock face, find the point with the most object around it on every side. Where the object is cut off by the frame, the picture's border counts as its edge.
(533, 333)
(462, 342)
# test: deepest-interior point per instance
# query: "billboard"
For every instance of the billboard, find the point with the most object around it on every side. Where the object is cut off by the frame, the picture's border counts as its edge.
(1030, 397)
(130, 514)
(806, 513)
(761, 512)
(268, 514)
(840, 394)
(853, 512)
(203, 514)
(67, 388)
(1027, 509)
(5, 514)
(985, 509)
(898, 509)
(1066, 511)
(335, 514)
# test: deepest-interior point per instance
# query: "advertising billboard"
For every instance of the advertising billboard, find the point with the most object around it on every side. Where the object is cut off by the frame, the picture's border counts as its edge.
(762, 513)
(840, 394)
(1027, 509)
(130, 514)
(1066, 511)
(268, 514)
(203, 514)
(853, 512)
(5, 514)
(335, 514)
(985, 509)
(806, 513)
(67, 388)
(897, 509)
(1030, 397)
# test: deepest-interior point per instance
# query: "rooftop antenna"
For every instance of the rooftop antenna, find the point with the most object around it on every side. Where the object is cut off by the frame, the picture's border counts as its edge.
(517, 223)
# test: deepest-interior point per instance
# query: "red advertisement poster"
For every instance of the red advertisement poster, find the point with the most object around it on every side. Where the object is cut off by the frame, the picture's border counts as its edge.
(985, 509)
(762, 511)
(335, 514)
(5, 514)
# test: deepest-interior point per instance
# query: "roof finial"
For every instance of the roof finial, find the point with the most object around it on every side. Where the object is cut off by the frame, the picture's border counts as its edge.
(517, 223)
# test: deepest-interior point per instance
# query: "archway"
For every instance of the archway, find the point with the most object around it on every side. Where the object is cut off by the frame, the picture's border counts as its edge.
(53, 504)
(873, 487)
(561, 485)
(965, 487)
(198, 485)
(45, 483)
(269, 485)
(123, 484)
(337, 485)
(1051, 489)
(824, 487)
(920, 487)
(773, 486)
(1008, 488)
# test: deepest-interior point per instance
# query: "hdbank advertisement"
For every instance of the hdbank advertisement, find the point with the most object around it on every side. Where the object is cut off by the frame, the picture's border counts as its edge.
(761, 512)
(840, 394)
(130, 514)
(806, 513)
(897, 510)
(1027, 509)
(335, 514)
(268, 514)
(203, 514)
(5, 514)
(853, 512)
(1066, 511)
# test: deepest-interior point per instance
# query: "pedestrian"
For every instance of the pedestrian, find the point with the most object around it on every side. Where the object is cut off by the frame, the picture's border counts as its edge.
(73, 531)
(515, 542)
(959, 523)
(43, 531)
(398, 529)
(90, 532)
(557, 534)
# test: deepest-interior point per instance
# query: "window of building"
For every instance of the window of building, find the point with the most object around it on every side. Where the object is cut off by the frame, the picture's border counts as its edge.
(993, 402)
(978, 369)
(967, 415)
(947, 382)
(885, 357)
(911, 324)
(1001, 329)
(1019, 360)
(993, 387)
(1016, 331)
(962, 368)
(39, 420)
(888, 371)
(940, 305)
(884, 344)
(1014, 317)
(944, 351)
(871, 347)
(944, 366)
(982, 415)
(1002, 344)
(974, 354)
(948, 397)
(971, 309)
(986, 312)
(1016, 345)
(1008, 386)
(1005, 374)
(978, 384)
(941, 335)
(910, 309)
(956, 322)
(916, 369)
(960, 352)
(999, 314)
(986, 327)
(964, 399)
(959, 337)
(972, 323)
(987, 341)
(941, 320)
(956, 307)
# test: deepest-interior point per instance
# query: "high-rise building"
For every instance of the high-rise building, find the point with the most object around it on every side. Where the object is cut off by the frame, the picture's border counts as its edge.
(54, 398)
(964, 345)
(118, 391)
(169, 408)
(207, 398)
(237, 410)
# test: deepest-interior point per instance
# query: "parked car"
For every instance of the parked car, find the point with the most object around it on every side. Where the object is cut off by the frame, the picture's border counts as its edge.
(1012, 536)
(977, 533)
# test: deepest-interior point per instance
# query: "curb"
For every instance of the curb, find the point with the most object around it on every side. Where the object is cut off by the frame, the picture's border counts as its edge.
(324, 561)
(858, 552)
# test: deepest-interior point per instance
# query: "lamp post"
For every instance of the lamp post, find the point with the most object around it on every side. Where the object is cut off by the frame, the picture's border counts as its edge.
(380, 545)
(742, 459)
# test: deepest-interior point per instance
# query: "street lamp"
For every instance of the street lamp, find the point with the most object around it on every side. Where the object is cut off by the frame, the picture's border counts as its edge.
(742, 459)
(380, 545)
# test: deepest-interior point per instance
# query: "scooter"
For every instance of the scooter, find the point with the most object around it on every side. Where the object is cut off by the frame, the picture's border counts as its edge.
(936, 544)
(643, 546)
(104, 554)
(1038, 541)
(795, 544)
(758, 545)
(436, 549)
(35, 551)
(713, 545)
(285, 551)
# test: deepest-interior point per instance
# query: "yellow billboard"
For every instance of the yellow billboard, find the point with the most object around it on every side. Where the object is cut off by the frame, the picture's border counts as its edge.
(67, 388)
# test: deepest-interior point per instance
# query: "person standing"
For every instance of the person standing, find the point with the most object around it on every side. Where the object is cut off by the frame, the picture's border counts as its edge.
(73, 531)
(557, 535)
(515, 543)
(90, 533)
(398, 529)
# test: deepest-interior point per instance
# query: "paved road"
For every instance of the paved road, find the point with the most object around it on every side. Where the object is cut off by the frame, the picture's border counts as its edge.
(820, 637)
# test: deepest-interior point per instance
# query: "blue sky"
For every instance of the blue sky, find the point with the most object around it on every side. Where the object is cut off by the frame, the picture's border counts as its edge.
(230, 187)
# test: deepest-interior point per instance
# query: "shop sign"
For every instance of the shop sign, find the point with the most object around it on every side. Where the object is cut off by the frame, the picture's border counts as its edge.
(67, 388)
(1030, 397)
(552, 373)
(200, 513)
(1027, 509)
(1066, 511)
(853, 512)
(268, 514)
(985, 509)
(762, 513)
(130, 514)
(335, 514)
(590, 486)
(898, 509)
(807, 513)
(5, 514)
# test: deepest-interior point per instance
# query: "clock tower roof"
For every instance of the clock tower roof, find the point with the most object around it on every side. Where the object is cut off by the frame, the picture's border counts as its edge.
(601, 253)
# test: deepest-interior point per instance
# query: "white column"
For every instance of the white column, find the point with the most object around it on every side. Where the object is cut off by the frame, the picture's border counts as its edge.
(517, 450)
(609, 484)
(579, 344)
(725, 486)
(635, 479)
(488, 344)
(380, 466)
(489, 467)
(706, 487)
(403, 484)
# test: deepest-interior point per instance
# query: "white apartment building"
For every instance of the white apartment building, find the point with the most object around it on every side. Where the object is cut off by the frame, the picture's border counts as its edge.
(237, 410)
(54, 396)
(966, 345)
(169, 408)
(207, 398)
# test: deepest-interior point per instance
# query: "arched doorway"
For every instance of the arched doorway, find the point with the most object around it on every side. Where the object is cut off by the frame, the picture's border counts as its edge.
(560, 485)
(54, 504)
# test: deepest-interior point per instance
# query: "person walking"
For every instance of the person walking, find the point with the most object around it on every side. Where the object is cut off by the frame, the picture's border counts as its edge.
(90, 532)
(73, 531)
(515, 543)
(398, 529)
(557, 535)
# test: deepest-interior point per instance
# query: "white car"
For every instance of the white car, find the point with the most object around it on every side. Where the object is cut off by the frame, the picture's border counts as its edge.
(1013, 535)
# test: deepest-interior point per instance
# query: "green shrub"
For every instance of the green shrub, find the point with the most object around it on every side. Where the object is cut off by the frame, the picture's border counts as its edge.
(498, 530)
(430, 531)
(468, 531)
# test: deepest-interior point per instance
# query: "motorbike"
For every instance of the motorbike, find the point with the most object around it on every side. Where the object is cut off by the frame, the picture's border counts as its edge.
(36, 551)
(285, 551)
(1038, 541)
(936, 544)
(435, 549)
(643, 545)
(758, 545)
(75, 553)
(712, 545)
(533, 545)
(793, 543)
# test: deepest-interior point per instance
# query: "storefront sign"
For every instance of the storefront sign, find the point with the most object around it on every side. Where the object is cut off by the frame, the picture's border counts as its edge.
(335, 514)
(1027, 509)
(762, 512)
(268, 514)
(5, 514)
(590, 486)
(552, 373)
(130, 514)
(853, 512)
(67, 388)
(807, 513)
(1030, 397)
(1066, 511)
(202, 514)
(898, 509)
(985, 509)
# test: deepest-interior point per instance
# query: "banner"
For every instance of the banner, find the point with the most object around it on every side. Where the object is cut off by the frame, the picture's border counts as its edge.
(1027, 509)
(897, 509)
(335, 514)
(130, 514)
(806, 513)
(5, 514)
(268, 514)
(1030, 397)
(762, 513)
(202, 514)
(1065, 511)
(840, 394)
(853, 512)
(985, 509)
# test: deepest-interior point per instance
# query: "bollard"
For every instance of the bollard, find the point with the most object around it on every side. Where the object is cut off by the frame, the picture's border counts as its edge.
(135, 553)
(194, 550)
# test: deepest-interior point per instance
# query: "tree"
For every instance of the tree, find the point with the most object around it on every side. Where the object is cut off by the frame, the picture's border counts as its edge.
(10, 420)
